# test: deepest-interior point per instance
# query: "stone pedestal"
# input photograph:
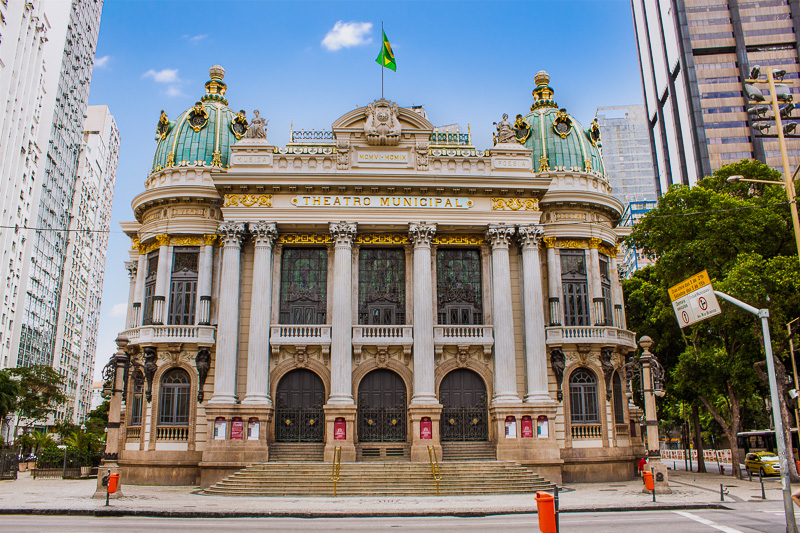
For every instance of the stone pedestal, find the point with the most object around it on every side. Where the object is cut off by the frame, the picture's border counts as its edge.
(419, 446)
(348, 412)
(660, 476)
(105, 469)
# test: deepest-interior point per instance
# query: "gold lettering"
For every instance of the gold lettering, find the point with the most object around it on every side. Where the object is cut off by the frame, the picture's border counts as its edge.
(346, 200)
(448, 203)
(457, 204)
(407, 202)
(306, 199)
(396, 202)
(356, 200)
(438, 201)
(326, 200)
(384, 202)
(336, 201)
(425, 204)
(316, 200)
(367, 200)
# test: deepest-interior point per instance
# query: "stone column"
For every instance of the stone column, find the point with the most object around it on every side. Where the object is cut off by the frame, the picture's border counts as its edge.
(553, 281)
(162, 280)
(228, 326)
(421, 235)
(264, 234)
(131, 267)
(505, 382)
(595, 289)
(616, 292)
(206, 267)
(529, 237)
(342, 324)
(141, 272)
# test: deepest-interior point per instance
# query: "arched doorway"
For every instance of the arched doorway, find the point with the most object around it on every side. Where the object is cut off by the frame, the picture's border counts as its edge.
(298, 407)
(465, 417)
(381, 407)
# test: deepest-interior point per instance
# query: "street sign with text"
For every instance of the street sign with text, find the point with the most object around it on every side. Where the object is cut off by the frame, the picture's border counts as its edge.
(693, 299)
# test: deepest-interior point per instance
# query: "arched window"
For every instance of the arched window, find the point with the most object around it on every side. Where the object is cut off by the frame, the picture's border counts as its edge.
(619, 412)
(583, 397)
(136, 400)
(173, 402)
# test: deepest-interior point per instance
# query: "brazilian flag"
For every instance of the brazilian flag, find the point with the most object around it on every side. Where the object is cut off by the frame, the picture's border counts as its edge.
(386, 57)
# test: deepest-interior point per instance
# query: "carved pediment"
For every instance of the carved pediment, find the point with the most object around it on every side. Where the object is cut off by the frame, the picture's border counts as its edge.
(382, 123)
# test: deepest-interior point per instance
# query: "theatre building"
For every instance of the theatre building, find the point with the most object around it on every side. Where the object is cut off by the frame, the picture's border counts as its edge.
(383, 288)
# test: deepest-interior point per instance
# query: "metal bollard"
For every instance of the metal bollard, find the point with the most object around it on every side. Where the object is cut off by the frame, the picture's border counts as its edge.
(555, 493)
(761, 480)
(750, 474)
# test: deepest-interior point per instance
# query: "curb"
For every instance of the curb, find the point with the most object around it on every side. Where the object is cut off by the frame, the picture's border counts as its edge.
(111, 511)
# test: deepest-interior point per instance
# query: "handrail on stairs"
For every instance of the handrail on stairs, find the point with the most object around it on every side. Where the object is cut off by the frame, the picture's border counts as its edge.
(435, 470)
(337, 463)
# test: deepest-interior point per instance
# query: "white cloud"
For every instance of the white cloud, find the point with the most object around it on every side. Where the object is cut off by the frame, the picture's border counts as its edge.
(167, 75)
(102, 62)
(194, 39)
(347, 34)
(120, 309)
(174, 90)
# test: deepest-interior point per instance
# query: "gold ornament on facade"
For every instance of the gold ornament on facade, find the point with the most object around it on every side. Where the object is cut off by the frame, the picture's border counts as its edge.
(595, 243)
(459, 240)
(209, 240)
(574, 244)
(187, 240)
(610, 251)
(382, 238)
(247, 200)
(562, 124)
(311, 238)
(549, 242)
(515, 204)
(162, 240)
(134, 243)
(216, 160)
(170, 160)
(587, 163)
(544, 164)
(198, 117)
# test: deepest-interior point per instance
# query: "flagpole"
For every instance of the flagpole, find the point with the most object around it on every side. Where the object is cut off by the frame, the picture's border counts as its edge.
(382, 67)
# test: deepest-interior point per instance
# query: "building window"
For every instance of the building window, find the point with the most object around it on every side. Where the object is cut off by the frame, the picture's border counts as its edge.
(458, 286)
(583, 397)
(381, 286)
(619, 413)
(573, 281)
(183, 288)
(150, 286)
(136, 400)
(173, 402)
(605, 287)
(304, 276)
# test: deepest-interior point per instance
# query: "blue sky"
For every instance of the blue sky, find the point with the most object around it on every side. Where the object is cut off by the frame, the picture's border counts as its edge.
(467, 62)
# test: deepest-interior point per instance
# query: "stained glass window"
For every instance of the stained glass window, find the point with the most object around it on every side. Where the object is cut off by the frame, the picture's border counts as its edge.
(583, 397)
(173, 402)
(150, 286)
(458, 286)
(573, 280)
(304, 276)
(381, 286)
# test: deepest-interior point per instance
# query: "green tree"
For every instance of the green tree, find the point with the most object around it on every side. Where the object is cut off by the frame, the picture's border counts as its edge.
(40, 392)
(8, 394)
(742, 234)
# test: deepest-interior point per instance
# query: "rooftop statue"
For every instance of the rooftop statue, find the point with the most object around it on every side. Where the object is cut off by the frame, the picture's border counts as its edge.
(258, 127)
(505, 132)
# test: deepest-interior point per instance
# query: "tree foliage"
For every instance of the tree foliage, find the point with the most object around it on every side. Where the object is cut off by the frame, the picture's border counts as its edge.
(8, 394)
(742, 234)
(40, 391)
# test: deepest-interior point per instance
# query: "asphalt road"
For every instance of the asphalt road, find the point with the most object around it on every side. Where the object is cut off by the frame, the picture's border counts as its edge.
(759, 519)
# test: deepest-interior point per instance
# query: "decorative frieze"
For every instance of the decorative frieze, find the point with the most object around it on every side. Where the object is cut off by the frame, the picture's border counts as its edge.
(247, 200)
(515, 204)
(456, 239)
(307, 238)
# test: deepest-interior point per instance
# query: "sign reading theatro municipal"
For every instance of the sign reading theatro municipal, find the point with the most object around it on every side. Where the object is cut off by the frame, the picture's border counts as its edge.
(380, 288)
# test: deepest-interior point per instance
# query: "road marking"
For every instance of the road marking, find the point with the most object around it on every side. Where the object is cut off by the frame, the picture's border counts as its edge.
(706, 522)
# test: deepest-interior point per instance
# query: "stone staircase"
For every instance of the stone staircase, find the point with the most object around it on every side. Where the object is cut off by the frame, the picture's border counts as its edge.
(468, 451)
(296, 452)
(394, 478)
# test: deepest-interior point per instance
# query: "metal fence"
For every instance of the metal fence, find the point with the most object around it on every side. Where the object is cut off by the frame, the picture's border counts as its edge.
(9, 463)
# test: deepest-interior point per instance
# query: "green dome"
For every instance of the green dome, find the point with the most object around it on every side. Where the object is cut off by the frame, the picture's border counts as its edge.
(203, 134)
(556, 138)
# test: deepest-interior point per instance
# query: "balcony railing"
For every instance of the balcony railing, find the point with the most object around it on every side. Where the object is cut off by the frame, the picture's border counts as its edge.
(622, 429)
(463, 336)
(383, 336)
(589, 334)
(586, 431)
(133, 433)
(172, 433)
(305, 335)
(171, 334)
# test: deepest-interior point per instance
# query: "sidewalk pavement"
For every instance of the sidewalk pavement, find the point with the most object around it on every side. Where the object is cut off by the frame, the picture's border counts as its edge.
(690, 491)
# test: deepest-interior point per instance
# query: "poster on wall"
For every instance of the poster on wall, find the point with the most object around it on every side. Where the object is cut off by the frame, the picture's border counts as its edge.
(237, 429)
(425, 428)
(511, 427)
(253, 429)
(541, 427)
(527, 427)
(220, 428)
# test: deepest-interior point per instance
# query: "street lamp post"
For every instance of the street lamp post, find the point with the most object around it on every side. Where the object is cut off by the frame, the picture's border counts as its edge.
(651, 375)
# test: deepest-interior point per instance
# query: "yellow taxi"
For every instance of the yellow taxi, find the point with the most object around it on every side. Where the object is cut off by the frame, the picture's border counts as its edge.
(765, 462)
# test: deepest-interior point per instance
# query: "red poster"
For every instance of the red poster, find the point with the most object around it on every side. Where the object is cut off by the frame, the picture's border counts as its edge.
(425, 428)
(237, 429)
(339, 429)
(527, 427)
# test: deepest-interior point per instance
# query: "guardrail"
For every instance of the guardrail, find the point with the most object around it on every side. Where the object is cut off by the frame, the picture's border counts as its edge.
(300, 335)
(171, 334)
(580, 334)
(435, 469)
(463, 336)
(337, 464)
(172, 433)
(586, 431)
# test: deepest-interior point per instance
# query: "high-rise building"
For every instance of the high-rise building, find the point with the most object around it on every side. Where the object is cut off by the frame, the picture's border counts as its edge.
(694, 56)
(82, 286)
(34, 330)
(626, 152)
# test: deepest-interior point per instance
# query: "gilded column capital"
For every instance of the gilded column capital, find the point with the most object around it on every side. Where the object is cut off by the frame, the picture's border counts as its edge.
(529, 235)
(231, 233)
(135, 243)
(209, 240)
(499, 235)
(421, 234)
(131, 267)
(344, 233)
(594, 244)
(264, 233)
(549, 242)
(162, 240)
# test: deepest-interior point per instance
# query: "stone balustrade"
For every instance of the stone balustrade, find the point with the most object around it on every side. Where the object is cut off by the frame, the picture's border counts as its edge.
(463, 336)
(383, 336)
(171, 335)
(300, 335)
(589, 334)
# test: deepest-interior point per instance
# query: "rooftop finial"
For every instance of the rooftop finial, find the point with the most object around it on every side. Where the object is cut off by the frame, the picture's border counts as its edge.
(215, 87)
(543, 93)
(216, 72)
